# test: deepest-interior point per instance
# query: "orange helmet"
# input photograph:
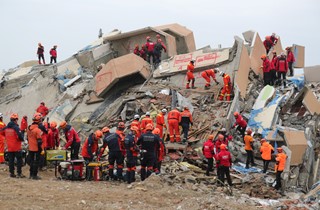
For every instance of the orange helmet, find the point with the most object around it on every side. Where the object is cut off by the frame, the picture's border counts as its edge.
(267, 37)
(105, 130)
(263, 140)
(134, 128)
(279, 149)
(14, 116)
(249, 131)
(211, 137)
(236, 114)
(223, 146)
(53, 124)
(63, 124)
(156, 131)
(149, 127)
(220, 136)
(37, 117)
(121, 125)
(98, 134)
(263, 56)
(142, 46)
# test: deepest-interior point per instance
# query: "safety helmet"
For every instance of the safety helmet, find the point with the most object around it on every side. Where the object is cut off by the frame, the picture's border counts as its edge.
(148, 114)
(121, 125)
(136, 46)
(221, 73)
(217, 69)
(282, 54)
(249, 131)
(223, 130)
(164, 110)
(14, 116)
(263, 140)
(263, 56)
(220, 136)
(136, 117)
(274, 52)
(192, 61)
(148, 37)
(185, 107)
(279, 149)
(267, 37)
(158, 36)
(53, 124)
(149, 127)
(142, 46)
(211, 137)
(236, 114)
(273, 34)
(63, 124)
(105, 130)
(37, 117)
(223, 146)
(98, 134)
(134, 128)
(42, 103)
(156, 131)
(1, 115)
(25, 117)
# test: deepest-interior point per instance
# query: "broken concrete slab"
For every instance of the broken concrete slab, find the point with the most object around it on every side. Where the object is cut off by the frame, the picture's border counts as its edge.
(248, 36)
(70, 82)
(255, 55)
(297, 143)
(311, 102)
(69, 68)
(298, 52)
(93, 98)
(311, 73)
(266, 94)
(63, 111)
(18, 73)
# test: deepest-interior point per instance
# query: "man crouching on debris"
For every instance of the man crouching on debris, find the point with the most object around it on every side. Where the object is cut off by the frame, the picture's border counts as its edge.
(281, 159)
(148, 142)
(224, 163)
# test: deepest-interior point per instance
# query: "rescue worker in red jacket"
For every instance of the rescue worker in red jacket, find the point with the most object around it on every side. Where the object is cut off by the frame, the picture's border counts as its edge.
(207, 74)
(273, 68)
(274, 38)
(136, 50)
(23, 125)
(174, 119)
(160, 152)
(266, 151)
(220, 140)
(35, 146)
(145, 121)
(158, 48)
(282, 68)
(72, 138)
(268, 44)
(53, 54)
(186, 121)
(2, 139)
(266, 67)
(148, 143)
(240, 122)
(43, 126)
(190, 76)
(160, 121)
(53, 136)
(248, 146)
(150, 47)
(281, 159)
(143, 52)
(43, 109)
(40, 53)
(291, 59)
(226, 90)
(132, 152)
(208, 152)
(14, 138)
(136, 123)
(224, 163)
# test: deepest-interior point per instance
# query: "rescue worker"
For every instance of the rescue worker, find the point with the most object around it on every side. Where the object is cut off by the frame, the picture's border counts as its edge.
(35, 146)
(53, 136)
(266, 67)
(226, 90)
(143, 52)
(224, 163)
(160, 152)
(148, 143)
(190, 76)
(145, 121)
(106, 132)
(14, 138)
(240, 123)
(72, 138)
(274, 38)
(43, 109)
(44, 136)
(115, 143)
(282, 68)
(273, 71)
(89, 149)
(40, 53)
(53, 54)
(160, 121)
(281, 159)
(266, 150)
(291, 59)
(23, 125)
(136, 50)
(248, 146)
(158, 48)
(2, 139)
(268, 44)
(150, 47)
(174, 119)
(208, 152)
(207, 74)
(186, 121)
(136, 123)
(220, 140)
(132, 152)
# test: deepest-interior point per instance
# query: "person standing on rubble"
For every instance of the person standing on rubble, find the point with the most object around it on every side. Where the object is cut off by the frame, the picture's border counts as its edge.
(148, 143)
(40, 53)
(174, 119)
(42, 109)
(136, 50)
(208, 152)
(266, 150)
(291, 59)
(248, 146)
(281, 159)
(282, 68)
(186, 122)
(266, 66)
(150, 47)
(53, 54)
(43, 126)
(2, 139)
(160, 121)
(273, 67)
(23, 125)
(159, 46)
(132, 152)
(160, 152)
(53, 136)
(224, 163)
(143, 52)
(207, 74)
(136, 123)
(226, 90)
(72, 138)
(190, 76)
(220, 140)
(268, 44)
(144, 122)
(240, 123)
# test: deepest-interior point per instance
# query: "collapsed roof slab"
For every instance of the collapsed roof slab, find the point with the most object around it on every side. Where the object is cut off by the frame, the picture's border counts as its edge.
(311, 102)
(255, 55)
(125, 66)
(297, 143)
(70, 67)
(248, 36)
(298, 52)
(311, 73)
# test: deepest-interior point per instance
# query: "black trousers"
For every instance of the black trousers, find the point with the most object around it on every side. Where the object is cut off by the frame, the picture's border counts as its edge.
(75, 147)
(116, 157)
(41, 56)
(290, 65)
(12, 156)
(273, 77)
(210, 166)
(34, 163)
(150, 55)
(88, 170)
(278, 180)
(249, 158)
(283, 80)
(266, 78)
(265, 165)
(225, 172)
(185, 130)
(53, 59)
(147, 161)
(242, 130)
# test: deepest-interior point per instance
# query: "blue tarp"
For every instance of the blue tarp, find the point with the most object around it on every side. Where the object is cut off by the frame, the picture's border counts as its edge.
(297, 81)
(242, 170)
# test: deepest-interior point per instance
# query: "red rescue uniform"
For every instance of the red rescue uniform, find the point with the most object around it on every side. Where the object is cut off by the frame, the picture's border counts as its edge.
(2, 141)
(53, 140)
(43, 110)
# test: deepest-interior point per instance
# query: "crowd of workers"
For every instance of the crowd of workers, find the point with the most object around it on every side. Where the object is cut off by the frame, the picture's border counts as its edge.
(53, 54)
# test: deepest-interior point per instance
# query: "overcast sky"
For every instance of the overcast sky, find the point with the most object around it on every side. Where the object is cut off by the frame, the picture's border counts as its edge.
(73, 24)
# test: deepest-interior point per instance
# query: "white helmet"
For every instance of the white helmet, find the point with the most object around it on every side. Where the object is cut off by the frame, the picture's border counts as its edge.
(217, 69)
(1, 115)
(164, 110)
(148, 113)
(221, 73)
(136, 116)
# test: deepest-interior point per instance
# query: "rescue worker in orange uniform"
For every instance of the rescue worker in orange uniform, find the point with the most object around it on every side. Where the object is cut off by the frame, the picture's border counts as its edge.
(160, 152)
(266, 67)
(14, 138)
(23, 125)
(266, 150)
(186, 121)
(160, 121)
(240, 123)
(281, 159)
(53, 136)
(224, 163)
(248, 146)
(35, 145)
(132, 152)
(226, 90)
(145, 121)
(43, 109)
(190, 76)
(174, 119)
(136, 123)
(2, 139)
(208, 152)
(72, 138)
(291, 59)
(209, 73)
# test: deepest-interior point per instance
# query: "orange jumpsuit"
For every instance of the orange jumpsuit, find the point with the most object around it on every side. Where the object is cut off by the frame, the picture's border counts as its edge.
(144, 122)
(160, 123)
(226, 88)
(2, 142)
(207, 74)
(174, 119)
(190, 76)
(137, 124)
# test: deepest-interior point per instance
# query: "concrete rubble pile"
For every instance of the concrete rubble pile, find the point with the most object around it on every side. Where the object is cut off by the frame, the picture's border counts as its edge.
(105, 83)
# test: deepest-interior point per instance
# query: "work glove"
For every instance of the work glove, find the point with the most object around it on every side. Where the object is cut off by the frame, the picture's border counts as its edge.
(42, 152)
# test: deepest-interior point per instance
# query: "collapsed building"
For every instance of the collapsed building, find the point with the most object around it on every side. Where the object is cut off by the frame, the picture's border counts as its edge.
(105, 82)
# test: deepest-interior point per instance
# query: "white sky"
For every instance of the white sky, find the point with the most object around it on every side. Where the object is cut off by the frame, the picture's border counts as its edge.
(73, 24)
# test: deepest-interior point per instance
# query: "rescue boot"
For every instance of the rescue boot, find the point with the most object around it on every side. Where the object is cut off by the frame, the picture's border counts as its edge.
(128, 177)
(132, 176)
(119, 174)
(143, 174)
(149, 172)
(111, 176)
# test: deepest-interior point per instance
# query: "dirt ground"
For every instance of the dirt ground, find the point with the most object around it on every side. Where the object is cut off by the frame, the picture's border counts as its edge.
(50, 193)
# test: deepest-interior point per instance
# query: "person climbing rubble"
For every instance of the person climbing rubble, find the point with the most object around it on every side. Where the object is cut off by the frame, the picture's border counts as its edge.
(143, 52)
(136, 123)
(132, 152)
(220, 140)
(268, 44)
(248, 146)
(136, 50)
(282, 69)
(186, 122)
(160, 123)
(208, 152)
(42, 109)
(160, 152)
(266, 67)
(224, 162)
(226, 90)
(291, 59)
(190, 76)
(274, 38)
(174, 119)
(72, 138)
(240, 123)
(281, 159)
(266, 151)
(145, 121)
(207, 74)
(158, 48)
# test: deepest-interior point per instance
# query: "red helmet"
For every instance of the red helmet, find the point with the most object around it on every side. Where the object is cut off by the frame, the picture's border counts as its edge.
(220, 136)
(223, 146)
(134, 128)
(136, 46)
(14, 116)
(236, 114)
(211, 137)
(149, 127)
(105, 130)
(148, 37)
(156, 131)
(98, 134)
(249, 131)
(63, 124)
(267, 37)
(53, 124)
(158, 36)
(121, 125)
(279, 149)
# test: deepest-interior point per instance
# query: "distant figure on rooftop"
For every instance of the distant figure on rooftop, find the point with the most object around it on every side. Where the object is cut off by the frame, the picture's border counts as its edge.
(159, 46)
(136, 50)
(150, 47)
(100, 33)
(40, 53)
(53, 53)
